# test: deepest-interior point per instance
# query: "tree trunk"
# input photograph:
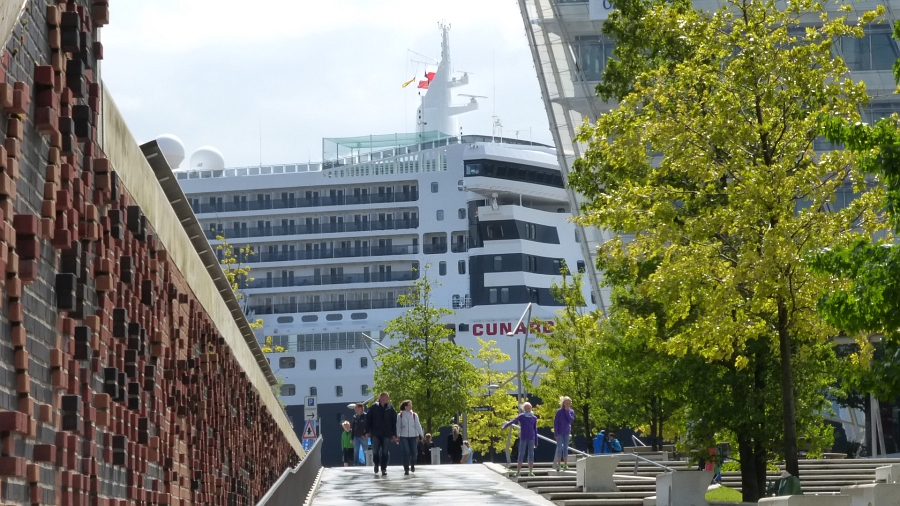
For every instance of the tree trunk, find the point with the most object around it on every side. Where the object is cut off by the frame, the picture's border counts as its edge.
(791, 461)
(653, 424)
(585, 412)
(749, 482)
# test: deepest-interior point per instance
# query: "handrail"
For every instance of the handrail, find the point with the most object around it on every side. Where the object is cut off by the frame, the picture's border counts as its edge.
(637, 458)
(634, 439)
(302, 488)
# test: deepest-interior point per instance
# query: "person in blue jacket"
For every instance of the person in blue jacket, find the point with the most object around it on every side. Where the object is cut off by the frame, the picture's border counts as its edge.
(606, 443)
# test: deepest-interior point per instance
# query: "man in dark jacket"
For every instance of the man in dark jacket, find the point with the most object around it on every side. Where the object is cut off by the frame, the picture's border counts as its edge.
(381, 426)
(358, 430)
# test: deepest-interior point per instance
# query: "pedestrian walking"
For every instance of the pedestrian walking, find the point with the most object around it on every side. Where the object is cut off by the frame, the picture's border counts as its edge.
(409, 430)
(347, 444)
(527, 422)
(358, 427)
(562, 431)
(381, 426)
(454, 445)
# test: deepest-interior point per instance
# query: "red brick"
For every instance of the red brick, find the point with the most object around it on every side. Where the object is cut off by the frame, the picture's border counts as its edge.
(13, 421)
(25, 224)
(44, 75)
(13, 467)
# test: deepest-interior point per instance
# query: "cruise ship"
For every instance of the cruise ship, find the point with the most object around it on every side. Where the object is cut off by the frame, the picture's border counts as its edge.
(334, 243)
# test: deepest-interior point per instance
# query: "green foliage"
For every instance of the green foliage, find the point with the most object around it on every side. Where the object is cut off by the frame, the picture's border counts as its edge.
(484, 430)
(724, 494)
(570, 361)
(424, 365)
(708, 163)
(869, 302)
(236, 272)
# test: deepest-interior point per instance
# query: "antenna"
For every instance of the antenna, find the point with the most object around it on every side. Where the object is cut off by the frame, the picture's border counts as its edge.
(260, 142)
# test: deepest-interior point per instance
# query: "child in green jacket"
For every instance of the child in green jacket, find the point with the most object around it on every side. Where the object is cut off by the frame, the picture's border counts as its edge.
(347, 444)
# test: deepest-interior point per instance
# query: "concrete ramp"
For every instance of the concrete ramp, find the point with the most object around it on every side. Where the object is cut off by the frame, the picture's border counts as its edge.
(430, 485)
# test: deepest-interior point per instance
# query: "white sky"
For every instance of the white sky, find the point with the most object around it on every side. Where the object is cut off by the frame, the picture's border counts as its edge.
(220, 72)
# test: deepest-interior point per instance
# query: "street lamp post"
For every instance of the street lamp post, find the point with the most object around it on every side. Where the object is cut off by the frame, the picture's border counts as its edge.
(521, 351)
(491, 388)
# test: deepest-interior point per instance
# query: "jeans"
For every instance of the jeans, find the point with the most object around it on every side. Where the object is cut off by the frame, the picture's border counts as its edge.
(562, 446)
(380, 454)
(410, 447)
(359, 442)
(526, 445)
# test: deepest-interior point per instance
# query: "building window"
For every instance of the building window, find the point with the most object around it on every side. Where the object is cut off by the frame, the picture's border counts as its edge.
(461, 213)
(442, 268)
(313, 391)
(363, 362)
(873, 51)
(339, 391)
(287, 362)
(440, 215)
(312, 364)
(492, 296)
(504, 295)
(434, 187)
(498, 263)
(364, 390)
(530, 231)
(461, 266)
(581, 266)
(288, 390)
(557, 266)
(592, 53)
(338, 363)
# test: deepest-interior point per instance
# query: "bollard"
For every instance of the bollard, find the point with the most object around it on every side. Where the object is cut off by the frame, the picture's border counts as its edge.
(435, 456)
(873, 494)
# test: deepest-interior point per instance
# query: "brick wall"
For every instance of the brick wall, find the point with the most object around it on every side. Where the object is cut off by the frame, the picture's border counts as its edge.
(115, 385)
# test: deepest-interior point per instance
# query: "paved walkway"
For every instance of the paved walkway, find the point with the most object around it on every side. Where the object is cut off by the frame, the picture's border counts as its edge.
(435, 485)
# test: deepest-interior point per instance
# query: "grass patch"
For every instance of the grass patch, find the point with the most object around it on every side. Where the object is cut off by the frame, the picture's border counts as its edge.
(724, 494)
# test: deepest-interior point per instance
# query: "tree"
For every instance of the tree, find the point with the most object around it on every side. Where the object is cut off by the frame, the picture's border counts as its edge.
(709, 162)
(236, 272)
(423, 364)
(569, 358)
(484, 432)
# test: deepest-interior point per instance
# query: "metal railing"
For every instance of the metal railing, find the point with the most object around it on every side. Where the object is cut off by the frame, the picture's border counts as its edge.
(314, 228)
(332, 279)
(295, 484)
(301, 202)
(325, 253)
(637, 458)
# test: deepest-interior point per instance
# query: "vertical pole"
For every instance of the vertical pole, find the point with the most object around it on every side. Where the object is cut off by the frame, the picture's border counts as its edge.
(519, 369)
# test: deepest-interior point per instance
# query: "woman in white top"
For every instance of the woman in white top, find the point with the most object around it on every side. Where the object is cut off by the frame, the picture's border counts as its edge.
(409, 430)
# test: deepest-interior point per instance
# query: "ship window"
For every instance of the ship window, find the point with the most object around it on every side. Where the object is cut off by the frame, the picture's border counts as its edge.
(288, 390)
(309, 318)
(434, 187)
(495, 231)
(498, 263)
(442, 268)
(440, 215)
(285, 319)
(581, 266)
(287, 362)
(492, 296)
(313, 391)
(334, 317)
(339, 391)
(463, 327)
(577, 239)
(504, 295)
(312, 364)
(461, 265)
(338, 363)
(359, 316)
(364, 390)
(461, 213)
(363, 362)
(557, 266)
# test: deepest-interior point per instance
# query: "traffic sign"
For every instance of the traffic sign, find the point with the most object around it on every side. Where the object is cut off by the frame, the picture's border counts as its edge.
(309, 430)
(311, 408)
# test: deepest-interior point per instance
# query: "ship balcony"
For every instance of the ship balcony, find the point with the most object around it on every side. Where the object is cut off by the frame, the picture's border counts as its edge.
(333, 279)
(301, 203)
(315, 307)
(316, 228)
(324, 254)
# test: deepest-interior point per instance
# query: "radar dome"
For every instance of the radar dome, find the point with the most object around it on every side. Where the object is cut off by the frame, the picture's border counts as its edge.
(207, 158)
(172, 148)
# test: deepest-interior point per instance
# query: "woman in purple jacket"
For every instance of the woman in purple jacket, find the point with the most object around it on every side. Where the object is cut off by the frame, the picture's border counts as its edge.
(562, 431)
(527, 436)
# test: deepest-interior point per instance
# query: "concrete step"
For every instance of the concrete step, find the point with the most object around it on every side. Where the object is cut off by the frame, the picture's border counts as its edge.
(601, 502)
